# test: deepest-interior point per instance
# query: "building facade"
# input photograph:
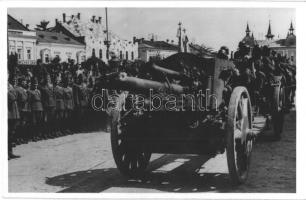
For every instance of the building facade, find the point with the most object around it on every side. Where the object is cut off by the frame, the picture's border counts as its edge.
(286, 46)
(51, 45)
(93, 34)
(21, 41)
(148, 50)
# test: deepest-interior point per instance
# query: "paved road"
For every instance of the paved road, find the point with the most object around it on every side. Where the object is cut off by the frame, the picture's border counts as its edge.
(84, 163)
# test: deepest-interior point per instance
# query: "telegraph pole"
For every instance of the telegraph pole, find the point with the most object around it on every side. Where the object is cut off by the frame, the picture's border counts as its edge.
(179, 37)
(107, 40)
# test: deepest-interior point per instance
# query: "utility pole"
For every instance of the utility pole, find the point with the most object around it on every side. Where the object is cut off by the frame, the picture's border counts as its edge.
(107, 42)
(179, 35)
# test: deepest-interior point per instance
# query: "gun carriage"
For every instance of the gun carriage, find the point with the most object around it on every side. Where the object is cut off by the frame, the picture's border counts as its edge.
(224, 125)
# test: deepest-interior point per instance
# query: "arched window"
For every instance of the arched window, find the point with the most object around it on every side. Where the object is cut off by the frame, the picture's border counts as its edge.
(121, 55)
(93, 53)
(126, 55)
(100, 53)
(132, 55)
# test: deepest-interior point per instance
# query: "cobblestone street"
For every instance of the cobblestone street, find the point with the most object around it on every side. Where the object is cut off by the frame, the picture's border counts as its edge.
(84, 163)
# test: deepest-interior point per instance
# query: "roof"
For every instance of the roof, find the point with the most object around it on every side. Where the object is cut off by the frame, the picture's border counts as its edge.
(14, 24)
(158, 45)
(53, 37)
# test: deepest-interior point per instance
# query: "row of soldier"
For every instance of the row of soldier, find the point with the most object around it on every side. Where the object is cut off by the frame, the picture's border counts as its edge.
(48, 107)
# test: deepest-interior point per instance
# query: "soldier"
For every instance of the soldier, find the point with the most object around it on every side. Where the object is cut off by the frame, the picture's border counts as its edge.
(48, 101)
(24, 109)
(84, 100)
(69, 105)
(13, 116)
(60, 107)
(37, 110)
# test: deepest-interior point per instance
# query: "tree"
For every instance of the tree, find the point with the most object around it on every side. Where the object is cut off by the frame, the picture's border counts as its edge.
(42, 26)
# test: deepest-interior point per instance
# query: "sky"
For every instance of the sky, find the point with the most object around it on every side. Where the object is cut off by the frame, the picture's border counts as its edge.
(213, 27)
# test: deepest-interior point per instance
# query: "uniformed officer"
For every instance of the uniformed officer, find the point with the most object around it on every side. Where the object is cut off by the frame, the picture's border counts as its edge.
(84, 100)
(60, 107)
(69, 105)
(13, 116)
(37, 110)
(24, 109)
(49, 104)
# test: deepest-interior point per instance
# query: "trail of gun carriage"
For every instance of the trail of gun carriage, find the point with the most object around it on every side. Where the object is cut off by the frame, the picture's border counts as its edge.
(236, 91)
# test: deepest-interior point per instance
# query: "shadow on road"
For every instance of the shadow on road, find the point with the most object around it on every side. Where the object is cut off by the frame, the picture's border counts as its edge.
(183, 178)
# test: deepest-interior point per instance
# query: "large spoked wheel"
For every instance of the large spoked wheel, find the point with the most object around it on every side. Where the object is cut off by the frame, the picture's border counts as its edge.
(239, 140)
(278, 103)
(130, 158)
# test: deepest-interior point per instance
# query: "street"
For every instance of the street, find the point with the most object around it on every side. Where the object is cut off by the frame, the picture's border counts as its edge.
(84, 163)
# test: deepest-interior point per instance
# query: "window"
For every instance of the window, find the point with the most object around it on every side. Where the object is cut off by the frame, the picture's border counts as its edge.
(132, 55)
(120, 54)
(29, 54)
(46, 58)
(19, 52)
(93, 53)
(127, 55)
(100, 53)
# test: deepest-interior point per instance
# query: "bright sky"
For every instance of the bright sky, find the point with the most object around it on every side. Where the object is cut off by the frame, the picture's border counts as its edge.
(213, 27)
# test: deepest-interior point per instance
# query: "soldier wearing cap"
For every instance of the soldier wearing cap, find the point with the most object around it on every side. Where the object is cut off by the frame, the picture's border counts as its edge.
(60, 107)
(49, 104)
(68, 103)
(37, 110)
(24, 108)
(13, 115)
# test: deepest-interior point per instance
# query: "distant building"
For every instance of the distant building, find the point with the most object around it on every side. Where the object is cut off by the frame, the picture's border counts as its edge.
(285, 47)
(150, 49)
(201, 51)
(51, 45)
(93, 34)
(22, 41)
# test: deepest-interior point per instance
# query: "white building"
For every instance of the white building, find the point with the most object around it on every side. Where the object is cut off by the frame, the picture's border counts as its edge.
(152, 49)
(21, 41)
(51, 45)
(93, 33)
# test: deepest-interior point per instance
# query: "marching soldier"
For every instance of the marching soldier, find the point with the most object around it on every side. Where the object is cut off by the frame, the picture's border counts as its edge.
(48, 101)
(37, 110)
(13, 116)
(24, 109)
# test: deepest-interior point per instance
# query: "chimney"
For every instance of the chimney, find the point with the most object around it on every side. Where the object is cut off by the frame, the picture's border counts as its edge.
(64, 17)
(134, 40)
(79, 16)
(27, 26)
(167, 40)
(56, 21)
(21, 21)
(93, 18)
(100, 20)
(172, 41)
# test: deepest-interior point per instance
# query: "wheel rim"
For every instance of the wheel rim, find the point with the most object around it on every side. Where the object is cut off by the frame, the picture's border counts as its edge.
(131, 159)
(242, 140)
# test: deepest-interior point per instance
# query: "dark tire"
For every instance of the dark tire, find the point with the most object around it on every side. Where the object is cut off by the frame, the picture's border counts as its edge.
(131, 159)
(239, 140)
(277, 114)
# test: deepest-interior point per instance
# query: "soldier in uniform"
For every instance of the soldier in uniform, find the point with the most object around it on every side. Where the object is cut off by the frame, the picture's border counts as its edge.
(49, 104)
(13, 116)
(84, 101)
(60, 107)
(24, 109)
(37, 110)
(69, 105)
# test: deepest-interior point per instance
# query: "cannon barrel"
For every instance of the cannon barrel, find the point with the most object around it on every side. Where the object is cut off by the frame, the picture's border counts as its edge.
(169, 72)
(124, 82)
